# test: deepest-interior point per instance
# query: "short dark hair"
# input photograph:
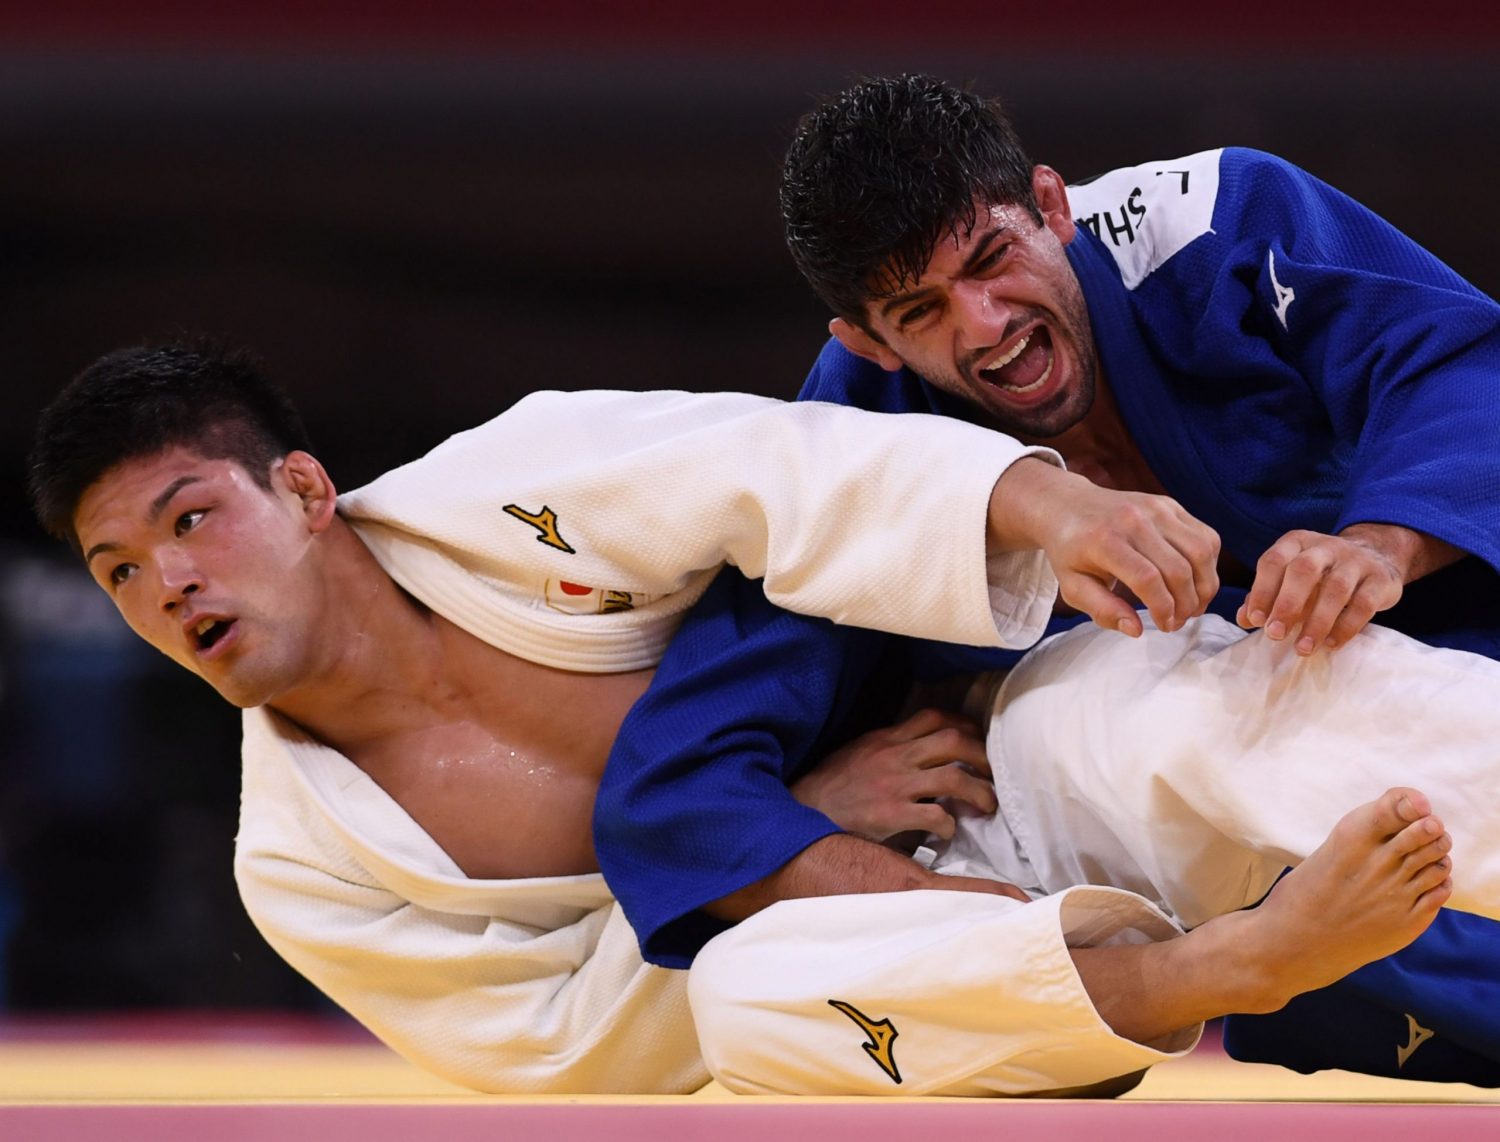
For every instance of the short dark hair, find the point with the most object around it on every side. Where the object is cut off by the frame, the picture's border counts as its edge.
(877, 175)
(201, 394)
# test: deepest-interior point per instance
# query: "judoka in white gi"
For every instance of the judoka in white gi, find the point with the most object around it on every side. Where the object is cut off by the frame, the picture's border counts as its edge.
(433, 668)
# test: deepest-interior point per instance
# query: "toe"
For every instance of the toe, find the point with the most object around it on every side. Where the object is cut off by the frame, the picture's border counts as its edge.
(1396, 809)
(1425, 833)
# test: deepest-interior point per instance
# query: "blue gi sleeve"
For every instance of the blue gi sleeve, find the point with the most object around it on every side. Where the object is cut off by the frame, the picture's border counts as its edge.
(694, 802)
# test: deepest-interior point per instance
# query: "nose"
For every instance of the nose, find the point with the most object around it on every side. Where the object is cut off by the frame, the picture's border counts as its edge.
(982, 316)
(179, 579)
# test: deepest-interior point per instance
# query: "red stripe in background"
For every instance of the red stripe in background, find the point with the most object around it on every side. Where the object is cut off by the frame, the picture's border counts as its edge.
(1280, 26)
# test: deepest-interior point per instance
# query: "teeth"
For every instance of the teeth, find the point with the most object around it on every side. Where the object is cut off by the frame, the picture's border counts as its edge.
(1009, 357)
(1036, 384)
(204, 626)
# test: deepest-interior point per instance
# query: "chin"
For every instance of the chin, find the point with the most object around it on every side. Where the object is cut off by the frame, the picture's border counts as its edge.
(243, 693)
(239, 698)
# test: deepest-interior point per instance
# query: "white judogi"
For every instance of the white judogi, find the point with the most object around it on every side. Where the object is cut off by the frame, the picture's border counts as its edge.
(1192, 768)
(980, 992)
(1189, 769)
(573, 531)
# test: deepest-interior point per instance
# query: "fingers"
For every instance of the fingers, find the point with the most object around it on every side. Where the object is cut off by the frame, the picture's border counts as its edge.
(1204, 558)
(1085, 593)
(933, 738)
(928, 818)
(1160, 580)
(979, 884)
(1172, 572)
(902, 778)
(1149, 545)
(1340, 612)
(1328, 586)
(1177, 574)
(954, 783)
(1285, 578)
(935, 816)
(930, 720)
(1146, 542)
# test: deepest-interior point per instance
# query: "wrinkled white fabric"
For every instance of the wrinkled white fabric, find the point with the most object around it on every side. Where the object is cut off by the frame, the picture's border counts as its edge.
(625, 505)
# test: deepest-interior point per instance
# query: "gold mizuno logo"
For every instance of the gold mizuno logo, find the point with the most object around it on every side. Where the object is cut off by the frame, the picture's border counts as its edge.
(882, 1035)
(545, 521)
(1416, 1035)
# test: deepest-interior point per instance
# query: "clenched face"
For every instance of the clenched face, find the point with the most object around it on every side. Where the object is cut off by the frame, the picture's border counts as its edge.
(997, 318)
(216, 572)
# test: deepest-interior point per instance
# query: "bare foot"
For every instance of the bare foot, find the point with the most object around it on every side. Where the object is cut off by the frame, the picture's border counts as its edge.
(1369, 890)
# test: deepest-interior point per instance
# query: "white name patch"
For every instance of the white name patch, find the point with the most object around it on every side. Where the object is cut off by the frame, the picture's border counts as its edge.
(1145, 214)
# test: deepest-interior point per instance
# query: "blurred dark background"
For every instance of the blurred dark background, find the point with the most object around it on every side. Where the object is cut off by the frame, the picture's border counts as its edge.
(416, 217)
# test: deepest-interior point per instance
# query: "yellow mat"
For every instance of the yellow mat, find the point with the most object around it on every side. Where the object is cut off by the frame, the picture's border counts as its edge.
(53, 1072)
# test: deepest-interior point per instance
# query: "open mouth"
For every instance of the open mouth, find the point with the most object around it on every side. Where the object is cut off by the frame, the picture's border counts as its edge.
(1026, 368)
(209, 632)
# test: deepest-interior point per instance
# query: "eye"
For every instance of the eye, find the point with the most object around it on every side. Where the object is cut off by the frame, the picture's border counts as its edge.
(188, 520)
(992, 259)
(910, 317)
(120, 572)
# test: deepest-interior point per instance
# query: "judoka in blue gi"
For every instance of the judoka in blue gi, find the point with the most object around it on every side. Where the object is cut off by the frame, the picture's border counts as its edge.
(1224, 329)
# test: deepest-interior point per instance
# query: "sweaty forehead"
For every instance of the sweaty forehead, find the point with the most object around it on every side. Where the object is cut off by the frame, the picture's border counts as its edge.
(961, 238)
(904, 270)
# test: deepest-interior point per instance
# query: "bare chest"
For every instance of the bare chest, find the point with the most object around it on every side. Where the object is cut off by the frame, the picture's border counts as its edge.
(505, 779)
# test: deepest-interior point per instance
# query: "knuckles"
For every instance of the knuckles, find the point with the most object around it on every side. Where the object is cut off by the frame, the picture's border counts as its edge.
(950, 741)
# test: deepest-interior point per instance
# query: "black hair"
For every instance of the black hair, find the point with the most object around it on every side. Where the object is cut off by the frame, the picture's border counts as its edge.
(877, 175)
(202, 394)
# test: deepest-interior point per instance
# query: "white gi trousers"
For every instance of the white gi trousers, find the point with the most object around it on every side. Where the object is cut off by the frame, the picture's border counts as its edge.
(1193, 768)
(1182, 773)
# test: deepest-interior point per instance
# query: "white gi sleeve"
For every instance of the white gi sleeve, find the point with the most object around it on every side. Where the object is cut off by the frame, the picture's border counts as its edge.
(870, 519)
(919, 993)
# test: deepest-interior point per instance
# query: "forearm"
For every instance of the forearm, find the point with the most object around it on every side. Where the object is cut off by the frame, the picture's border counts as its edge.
(845, 865)
(1412, 553)
(1021, 502)
(836, 865)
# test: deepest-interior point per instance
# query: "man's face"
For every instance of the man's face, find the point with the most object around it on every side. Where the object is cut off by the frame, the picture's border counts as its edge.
(998, 318)
(216, 572)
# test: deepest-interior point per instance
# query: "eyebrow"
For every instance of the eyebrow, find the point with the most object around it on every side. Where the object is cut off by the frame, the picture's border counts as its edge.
(976, 255)
(153, 513)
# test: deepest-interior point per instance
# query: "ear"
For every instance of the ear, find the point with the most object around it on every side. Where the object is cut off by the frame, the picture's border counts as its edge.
(301, 475)
(863, 343)
(1052, 200)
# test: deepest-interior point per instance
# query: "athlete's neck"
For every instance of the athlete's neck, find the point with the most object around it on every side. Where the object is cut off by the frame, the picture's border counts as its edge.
(383, 671)
(1100, 446)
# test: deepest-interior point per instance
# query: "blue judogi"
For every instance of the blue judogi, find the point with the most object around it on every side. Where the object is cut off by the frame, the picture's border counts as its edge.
(1284, 359)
